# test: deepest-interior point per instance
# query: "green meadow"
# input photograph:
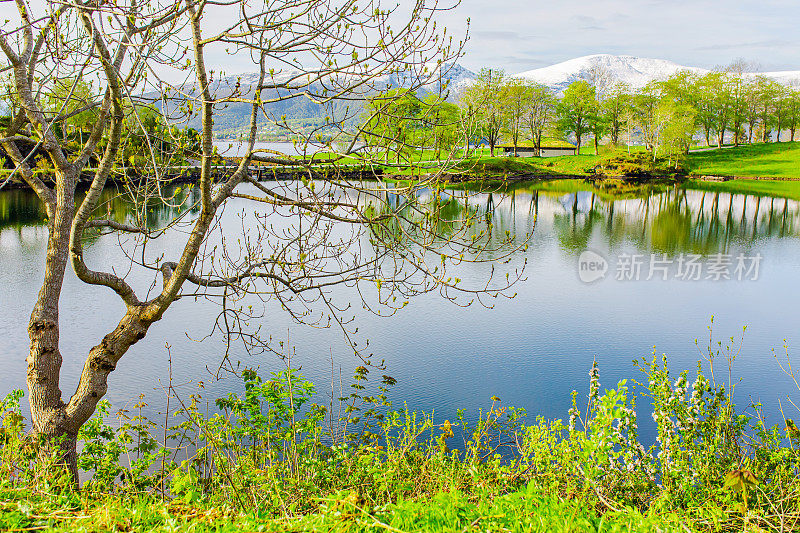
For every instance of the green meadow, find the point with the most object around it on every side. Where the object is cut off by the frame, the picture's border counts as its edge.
(771, 160)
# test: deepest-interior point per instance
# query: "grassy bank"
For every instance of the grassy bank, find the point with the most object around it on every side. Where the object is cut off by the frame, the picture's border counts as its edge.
(270, 460)
(773, 160)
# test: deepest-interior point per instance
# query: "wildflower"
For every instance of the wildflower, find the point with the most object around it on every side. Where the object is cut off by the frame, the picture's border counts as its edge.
(573, 417)
(696, 400)
(681, 387)
(594, 382)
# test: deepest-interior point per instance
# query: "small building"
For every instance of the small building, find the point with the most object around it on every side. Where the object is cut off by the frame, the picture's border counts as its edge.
(549, 149)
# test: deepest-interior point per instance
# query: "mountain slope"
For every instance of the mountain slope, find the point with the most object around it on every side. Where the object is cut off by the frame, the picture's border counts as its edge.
(292, 104)
(634, 71)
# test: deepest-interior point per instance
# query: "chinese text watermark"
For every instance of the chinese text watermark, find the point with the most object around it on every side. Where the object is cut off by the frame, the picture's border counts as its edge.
(592, 266)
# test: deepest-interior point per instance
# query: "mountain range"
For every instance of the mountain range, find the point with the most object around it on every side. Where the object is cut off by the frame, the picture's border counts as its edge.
(634, 71)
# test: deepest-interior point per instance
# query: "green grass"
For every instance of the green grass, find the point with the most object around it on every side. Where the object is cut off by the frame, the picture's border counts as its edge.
(528, 510)
(773, 160)
(486, 167)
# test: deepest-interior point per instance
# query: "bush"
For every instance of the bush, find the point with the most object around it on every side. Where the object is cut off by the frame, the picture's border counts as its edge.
(634, 165)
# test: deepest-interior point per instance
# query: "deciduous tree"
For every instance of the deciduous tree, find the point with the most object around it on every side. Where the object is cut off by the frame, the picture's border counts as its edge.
(577, 110)
(485, 107)
(326, 52)
(540, 115)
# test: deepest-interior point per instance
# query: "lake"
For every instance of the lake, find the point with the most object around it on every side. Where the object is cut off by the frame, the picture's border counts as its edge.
(611, 277)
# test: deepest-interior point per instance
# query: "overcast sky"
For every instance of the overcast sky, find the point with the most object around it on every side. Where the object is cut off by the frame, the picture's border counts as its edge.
(519, 35)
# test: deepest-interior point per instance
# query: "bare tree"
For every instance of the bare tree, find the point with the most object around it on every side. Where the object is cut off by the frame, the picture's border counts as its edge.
(334, 230)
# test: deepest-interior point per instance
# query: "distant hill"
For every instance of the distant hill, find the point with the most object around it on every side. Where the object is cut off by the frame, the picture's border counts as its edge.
(236, 116)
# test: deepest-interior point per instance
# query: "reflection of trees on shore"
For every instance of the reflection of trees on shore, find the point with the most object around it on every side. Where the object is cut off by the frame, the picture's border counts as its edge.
(20, 208)
(575, 228)
(676, 221)
(672, 222)
(424, 212)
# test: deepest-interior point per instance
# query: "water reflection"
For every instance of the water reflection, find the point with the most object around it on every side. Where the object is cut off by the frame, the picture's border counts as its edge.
(672, 222)
(532, 351)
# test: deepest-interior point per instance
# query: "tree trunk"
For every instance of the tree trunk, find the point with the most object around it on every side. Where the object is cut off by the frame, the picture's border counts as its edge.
(48, 410)
(578, 143)
(596, 147)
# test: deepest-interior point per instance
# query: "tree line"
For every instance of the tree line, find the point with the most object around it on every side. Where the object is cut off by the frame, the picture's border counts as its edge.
(667, 117)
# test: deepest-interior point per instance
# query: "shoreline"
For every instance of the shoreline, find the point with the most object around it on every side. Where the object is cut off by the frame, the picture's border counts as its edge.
(186, 175)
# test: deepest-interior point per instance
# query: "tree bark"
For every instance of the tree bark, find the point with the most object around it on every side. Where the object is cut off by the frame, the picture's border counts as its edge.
(48, 410)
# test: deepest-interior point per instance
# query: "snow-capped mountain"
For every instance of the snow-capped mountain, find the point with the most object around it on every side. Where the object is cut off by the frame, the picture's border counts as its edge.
(787, 77)
(633, 71)
(457, 78)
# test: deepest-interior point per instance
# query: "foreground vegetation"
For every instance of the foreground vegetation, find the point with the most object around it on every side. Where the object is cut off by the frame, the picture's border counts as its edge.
(270, 460)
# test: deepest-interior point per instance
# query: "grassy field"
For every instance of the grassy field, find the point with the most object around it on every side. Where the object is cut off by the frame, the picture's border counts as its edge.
(482, 166)
(772, 160)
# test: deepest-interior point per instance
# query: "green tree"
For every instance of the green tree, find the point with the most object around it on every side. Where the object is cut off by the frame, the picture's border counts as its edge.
(751, 108)
(439, 124)
(678, 131)
(390, 123)
(576, 111)
(645, 115)
(721, 96)
(792, 112)
(73, 99)
(767, 92)
(780, 109)
(702, 95)
(615, 110)
(540, 115)
(484, 106)
(516, 98)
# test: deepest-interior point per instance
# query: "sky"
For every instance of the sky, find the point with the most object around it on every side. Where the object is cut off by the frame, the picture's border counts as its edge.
(520, 35)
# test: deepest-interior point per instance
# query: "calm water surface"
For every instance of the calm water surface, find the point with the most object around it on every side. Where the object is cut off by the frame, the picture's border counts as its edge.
(531, 351)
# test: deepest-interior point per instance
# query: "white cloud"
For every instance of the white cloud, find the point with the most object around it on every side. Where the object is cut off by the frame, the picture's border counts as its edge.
(509, 33)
